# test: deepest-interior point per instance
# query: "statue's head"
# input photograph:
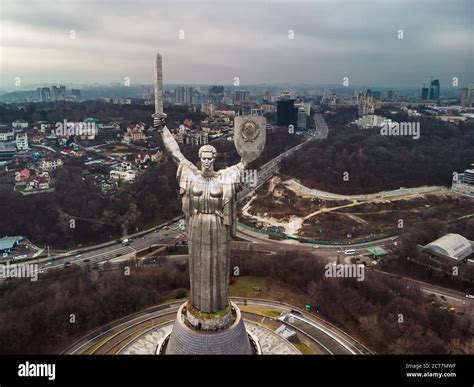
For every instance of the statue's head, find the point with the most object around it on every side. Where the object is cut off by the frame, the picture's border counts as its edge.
(207, 154)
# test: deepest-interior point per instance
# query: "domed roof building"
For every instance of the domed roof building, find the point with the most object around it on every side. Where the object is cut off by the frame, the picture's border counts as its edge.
(452, 245)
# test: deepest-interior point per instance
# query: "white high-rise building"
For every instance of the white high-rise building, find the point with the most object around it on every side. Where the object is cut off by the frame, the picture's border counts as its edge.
(184, 95)
(22, 141)
(301, 118)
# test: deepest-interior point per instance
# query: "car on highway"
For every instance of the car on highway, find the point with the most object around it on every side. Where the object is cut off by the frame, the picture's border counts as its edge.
(87, 260)
(78, 256)
(126, 241)
(49, 263)
(349, 252)
(67, 264)
(470, 296)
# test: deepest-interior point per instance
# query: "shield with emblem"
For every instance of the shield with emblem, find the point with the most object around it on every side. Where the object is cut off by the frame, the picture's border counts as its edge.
(249, 136)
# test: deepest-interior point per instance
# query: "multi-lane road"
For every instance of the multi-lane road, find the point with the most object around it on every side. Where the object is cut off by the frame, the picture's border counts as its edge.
(166, 235)
(115, 336)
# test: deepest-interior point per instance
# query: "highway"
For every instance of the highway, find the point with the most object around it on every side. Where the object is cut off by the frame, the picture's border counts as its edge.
(165, 235)
(113, 337)
(329, 254)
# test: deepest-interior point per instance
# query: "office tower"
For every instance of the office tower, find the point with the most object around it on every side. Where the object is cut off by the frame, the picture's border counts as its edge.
(434, 89)
(76, 93)
(184, 95)
(44, 94)
(287, 114)
(466, 95)
(365, 105)
(241, 96)
(424, 92)
(302, 116)
(179, 95)
(62, 93)
(196, 97)
(54, 93)
(215, 94)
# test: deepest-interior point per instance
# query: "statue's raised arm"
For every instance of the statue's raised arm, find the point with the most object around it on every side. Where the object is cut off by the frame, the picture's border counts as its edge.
(168, 140)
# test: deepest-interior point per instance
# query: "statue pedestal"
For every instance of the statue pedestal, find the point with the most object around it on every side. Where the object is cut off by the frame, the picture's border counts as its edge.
(200, 321)
(224, 335)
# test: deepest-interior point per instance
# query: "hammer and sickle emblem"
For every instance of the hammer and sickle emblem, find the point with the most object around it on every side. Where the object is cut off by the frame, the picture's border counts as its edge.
(250, 131)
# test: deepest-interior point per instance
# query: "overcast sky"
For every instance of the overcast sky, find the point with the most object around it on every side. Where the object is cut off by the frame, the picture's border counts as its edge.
(248, 39)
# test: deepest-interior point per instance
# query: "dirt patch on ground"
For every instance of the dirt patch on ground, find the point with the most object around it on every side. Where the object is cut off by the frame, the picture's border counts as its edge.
(345, 220)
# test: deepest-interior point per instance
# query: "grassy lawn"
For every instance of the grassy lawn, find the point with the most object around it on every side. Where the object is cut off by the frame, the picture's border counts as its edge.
(304, 349)
(244, 287)
(260, 310)
(270, 289)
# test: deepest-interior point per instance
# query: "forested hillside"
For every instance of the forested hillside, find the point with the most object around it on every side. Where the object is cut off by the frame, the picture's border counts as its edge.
(375, 162)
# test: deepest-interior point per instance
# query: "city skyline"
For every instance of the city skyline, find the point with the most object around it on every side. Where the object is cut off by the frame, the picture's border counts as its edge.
(309, 43)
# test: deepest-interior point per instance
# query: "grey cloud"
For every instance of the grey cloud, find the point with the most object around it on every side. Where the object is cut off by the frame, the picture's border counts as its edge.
(249, 38)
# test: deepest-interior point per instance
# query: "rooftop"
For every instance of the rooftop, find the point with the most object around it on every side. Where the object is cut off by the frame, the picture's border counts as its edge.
(9, 241)
(452, 245)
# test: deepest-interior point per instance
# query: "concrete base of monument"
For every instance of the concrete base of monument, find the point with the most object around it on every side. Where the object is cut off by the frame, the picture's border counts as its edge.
(209, 321)
(224, 335)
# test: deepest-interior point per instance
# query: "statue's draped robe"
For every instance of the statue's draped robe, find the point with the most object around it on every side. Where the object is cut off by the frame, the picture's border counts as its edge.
(209, 204)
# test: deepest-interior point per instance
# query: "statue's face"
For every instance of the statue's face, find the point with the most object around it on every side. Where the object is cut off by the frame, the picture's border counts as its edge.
(207, 162)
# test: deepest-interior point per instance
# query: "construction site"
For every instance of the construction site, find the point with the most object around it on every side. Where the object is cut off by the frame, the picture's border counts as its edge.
(300, 212)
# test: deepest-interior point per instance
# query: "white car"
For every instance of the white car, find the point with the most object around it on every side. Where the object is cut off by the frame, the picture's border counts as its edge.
(349, 252)
(469, 296)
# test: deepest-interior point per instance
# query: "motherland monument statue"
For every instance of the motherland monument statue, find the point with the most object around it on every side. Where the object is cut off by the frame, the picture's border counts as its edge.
(209, 201)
